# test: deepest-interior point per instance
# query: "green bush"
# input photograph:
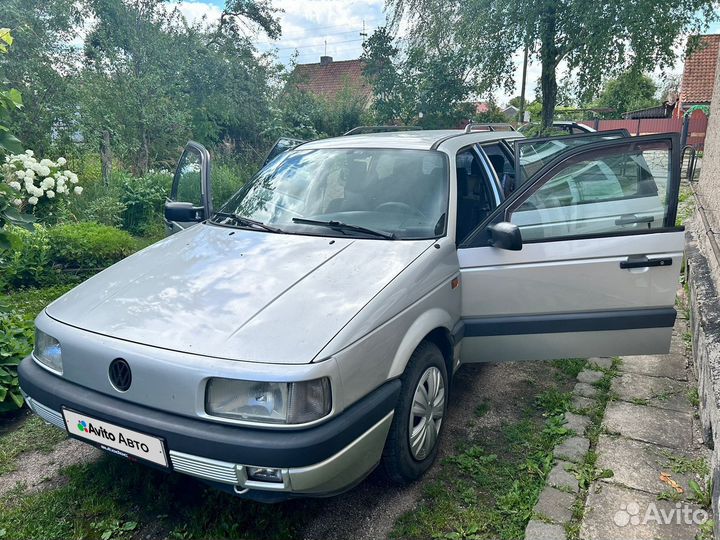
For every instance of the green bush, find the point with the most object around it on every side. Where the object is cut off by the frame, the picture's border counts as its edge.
(88, 246)
(29, 265)
(62, 254)
(143, 198)
(16, 337)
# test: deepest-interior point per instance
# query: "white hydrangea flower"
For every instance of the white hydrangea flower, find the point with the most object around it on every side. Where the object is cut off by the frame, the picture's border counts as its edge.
(30, 153)
(15, 185)
(61, 161)
(29, 173)
(33, 201)
(50, 194)
(61, 188)
(20, 173)
(47, 183)
(42, 170)
(78, 190)
(17, 202)
(47, 163)
(72, 177)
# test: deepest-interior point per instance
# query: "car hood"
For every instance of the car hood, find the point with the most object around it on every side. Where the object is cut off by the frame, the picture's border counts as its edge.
(237, 294)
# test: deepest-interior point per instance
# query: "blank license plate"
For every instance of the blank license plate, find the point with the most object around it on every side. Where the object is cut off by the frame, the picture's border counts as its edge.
(116, 439)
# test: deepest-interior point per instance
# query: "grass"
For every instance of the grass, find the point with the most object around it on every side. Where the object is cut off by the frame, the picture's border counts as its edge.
(113, 494)
(489, 487)
(587, 472)
(34, 434)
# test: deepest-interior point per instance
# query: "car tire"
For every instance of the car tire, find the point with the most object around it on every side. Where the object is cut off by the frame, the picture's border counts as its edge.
(407, 455)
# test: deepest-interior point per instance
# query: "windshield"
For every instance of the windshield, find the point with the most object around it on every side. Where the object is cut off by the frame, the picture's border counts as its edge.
(400, 193)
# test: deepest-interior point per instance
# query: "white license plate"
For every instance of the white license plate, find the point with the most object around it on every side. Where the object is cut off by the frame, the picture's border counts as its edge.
(115, 439)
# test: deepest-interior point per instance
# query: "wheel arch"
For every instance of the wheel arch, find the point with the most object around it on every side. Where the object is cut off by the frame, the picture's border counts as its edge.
(433, 325)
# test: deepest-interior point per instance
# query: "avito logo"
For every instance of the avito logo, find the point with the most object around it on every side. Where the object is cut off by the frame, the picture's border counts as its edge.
(82, 426)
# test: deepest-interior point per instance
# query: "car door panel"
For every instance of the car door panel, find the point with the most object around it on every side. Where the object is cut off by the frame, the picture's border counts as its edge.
(592, 279)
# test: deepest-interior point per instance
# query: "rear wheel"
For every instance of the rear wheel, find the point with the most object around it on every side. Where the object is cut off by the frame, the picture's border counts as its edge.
(412, 442)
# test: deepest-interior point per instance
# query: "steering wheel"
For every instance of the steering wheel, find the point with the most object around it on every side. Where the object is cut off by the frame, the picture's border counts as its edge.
(401, 206)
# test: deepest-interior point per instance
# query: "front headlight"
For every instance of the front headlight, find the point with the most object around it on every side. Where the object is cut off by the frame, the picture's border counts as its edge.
(47, 351)
(279, 403)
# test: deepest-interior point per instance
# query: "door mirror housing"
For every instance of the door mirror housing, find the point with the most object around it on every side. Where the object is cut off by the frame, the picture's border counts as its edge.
(505, 235)
(183, 212)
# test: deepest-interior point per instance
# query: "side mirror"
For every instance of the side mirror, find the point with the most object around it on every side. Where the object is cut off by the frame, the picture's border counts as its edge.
(183, 212)
(505, 235)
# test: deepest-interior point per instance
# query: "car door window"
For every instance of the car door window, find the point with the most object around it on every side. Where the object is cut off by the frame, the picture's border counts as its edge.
(188, 183)
(502, 164)
(615, 190)
(531, 155)
(475, 201)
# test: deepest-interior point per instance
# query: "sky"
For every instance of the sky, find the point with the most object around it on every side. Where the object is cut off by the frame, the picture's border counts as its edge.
(334, 27)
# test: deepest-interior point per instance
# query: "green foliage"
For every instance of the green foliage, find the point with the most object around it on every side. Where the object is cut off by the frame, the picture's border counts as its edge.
(15, 342)
(595, 40)
(32, 436)
(629, 91)
(143, 198)
(56, 255)
(88, 246)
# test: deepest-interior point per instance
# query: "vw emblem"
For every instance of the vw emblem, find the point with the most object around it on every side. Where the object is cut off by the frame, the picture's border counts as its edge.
(120, 374)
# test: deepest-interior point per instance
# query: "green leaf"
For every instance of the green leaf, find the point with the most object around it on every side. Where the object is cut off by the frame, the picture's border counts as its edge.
(10, 143)
(106, 535)
(17, 398)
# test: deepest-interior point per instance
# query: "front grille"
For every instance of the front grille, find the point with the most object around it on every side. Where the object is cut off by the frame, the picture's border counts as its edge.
(210, 469)
(45, 413)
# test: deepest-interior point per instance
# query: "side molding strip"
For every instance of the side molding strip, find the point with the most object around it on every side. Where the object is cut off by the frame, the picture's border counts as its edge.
(569, 322)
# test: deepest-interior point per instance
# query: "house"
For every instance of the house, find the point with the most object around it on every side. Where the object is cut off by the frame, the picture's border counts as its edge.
(511, 111)
(699, 74)
(328, 78)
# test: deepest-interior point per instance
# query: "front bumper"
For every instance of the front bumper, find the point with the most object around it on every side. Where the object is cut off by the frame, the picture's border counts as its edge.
(318, 461)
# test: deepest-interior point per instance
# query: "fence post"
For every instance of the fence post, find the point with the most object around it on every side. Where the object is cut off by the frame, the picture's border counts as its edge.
(637, 131)
(597, 124)
(685, 130)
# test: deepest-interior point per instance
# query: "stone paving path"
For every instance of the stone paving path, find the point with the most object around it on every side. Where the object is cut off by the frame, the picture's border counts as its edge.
(640, 466)
(650, 428)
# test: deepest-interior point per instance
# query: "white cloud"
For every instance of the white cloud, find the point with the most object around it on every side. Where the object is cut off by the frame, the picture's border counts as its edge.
(195, 11)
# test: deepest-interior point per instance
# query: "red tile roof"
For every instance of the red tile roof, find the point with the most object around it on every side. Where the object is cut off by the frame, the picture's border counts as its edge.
(329, 78)
(699, 72)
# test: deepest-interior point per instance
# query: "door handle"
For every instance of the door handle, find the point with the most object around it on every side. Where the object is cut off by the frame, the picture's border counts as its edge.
(632, 219)
(645, 262)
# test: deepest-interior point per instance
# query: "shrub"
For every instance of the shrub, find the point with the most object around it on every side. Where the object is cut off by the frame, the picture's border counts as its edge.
(62, 254)
(143, 198)
(16, 335)
(88, 246)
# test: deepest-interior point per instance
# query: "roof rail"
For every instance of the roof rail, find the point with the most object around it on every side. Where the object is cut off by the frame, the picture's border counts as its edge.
(380, 129)
(472, 126)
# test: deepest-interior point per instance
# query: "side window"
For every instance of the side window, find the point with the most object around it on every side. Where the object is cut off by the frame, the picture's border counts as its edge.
(503, 165)
(475, 201)
(188, 181)
(611, 190)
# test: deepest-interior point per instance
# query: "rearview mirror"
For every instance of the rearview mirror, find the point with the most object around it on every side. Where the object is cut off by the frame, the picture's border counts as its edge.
(505, 235)
(183, 212)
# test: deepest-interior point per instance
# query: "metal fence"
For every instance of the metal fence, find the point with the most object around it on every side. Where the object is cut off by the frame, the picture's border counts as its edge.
(697, 126)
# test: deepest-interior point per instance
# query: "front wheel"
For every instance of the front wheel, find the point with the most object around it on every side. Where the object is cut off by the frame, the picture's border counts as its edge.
(412, 442)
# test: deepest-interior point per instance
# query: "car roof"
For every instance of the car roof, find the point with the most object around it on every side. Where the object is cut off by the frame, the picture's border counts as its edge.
(418, 140)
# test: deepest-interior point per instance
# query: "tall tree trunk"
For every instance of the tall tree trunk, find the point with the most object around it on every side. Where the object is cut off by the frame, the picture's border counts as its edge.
(105, 157)
(549, 56)
(142, 161)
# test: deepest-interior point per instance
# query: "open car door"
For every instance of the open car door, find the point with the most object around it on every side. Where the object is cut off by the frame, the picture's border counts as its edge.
(583, 259)
(282, 145)
(190, 200)
(531, 155)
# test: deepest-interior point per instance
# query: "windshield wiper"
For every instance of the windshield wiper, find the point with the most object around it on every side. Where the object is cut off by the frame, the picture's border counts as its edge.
(339, 225)
(248, 222)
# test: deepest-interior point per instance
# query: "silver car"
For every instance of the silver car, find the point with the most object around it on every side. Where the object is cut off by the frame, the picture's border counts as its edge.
(309, 330)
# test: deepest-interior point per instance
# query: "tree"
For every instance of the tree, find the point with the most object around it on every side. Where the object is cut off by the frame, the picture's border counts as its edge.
(595, 39)
(629, 91)
(150, 80)
(42, 66)
(428, 86)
